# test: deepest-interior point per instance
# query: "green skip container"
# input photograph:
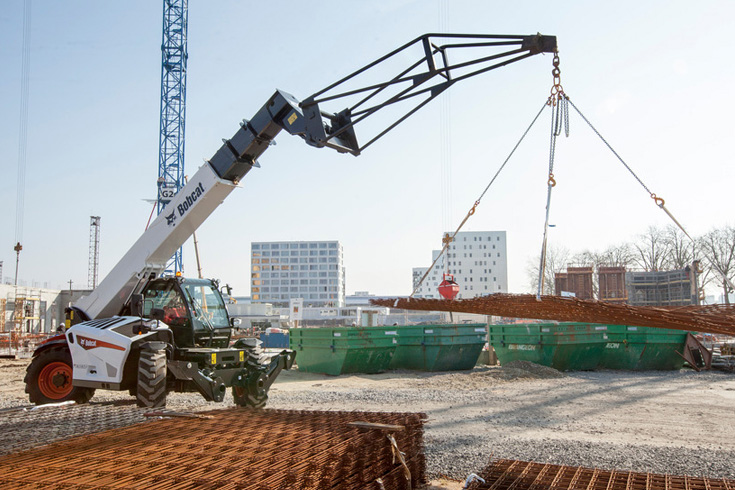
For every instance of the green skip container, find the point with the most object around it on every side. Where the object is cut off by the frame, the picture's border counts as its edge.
(643, 348)
(344, 350)
(439, 347)
(588, 346)
(563, 346)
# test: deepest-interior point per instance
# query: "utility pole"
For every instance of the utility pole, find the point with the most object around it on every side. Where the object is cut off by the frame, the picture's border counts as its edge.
(18, 247)
(70, 281)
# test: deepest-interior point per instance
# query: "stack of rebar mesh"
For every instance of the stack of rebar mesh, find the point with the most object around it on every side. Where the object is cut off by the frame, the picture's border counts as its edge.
(505, 474)
(706, 319)
(235, 449)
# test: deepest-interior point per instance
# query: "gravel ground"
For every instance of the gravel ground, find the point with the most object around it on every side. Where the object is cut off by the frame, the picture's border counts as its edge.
(676, 422)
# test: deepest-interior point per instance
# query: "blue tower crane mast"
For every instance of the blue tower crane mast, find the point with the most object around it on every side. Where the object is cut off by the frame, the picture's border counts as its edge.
(173, 109)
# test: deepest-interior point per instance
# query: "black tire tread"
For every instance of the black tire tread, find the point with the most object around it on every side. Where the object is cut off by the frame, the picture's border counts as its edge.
(151, 389)
(247, 399)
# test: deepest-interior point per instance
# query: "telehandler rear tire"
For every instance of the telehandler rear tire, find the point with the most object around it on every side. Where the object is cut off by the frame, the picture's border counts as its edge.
(151, 389)
(49, 378)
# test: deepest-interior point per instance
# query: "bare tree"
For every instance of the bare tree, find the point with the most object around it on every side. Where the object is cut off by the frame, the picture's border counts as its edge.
(586, 258)
(613, 256)
(652, 250)
(679, 246)
(557, 259)
(718, 250)
(617, 256)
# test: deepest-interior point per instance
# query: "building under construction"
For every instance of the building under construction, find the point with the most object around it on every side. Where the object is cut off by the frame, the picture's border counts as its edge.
(29, 314)
(577, 281)
(639, 288)
(662, 288)
(611, 285)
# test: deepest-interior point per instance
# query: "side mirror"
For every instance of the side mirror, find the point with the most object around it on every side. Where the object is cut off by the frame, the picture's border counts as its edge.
(235, 323)
(136, 305)
(158, 314)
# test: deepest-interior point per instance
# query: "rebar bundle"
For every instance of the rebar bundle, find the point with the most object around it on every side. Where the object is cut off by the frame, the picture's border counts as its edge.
(706, 319)
(235, 449)
(505, 474)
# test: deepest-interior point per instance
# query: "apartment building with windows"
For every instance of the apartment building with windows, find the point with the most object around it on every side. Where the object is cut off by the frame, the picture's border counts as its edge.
(281, 271)
(477, 259)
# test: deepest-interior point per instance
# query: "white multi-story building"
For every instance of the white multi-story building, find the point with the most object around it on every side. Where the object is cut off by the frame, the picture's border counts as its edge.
(281, 271)
(477, 259)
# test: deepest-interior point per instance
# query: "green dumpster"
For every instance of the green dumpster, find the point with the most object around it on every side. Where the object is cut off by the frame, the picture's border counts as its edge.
(563, 346)
(641, 348)
(439, 347)
(344, 350)
(583, 346)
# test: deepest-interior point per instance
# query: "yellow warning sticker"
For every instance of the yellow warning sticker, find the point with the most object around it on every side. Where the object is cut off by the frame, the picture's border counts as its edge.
(292, 118)
(242, 356)
(214, 358)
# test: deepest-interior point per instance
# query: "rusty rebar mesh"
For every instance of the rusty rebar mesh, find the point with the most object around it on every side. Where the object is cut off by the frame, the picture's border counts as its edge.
(706, 319)
(504, 474)
(237, 449)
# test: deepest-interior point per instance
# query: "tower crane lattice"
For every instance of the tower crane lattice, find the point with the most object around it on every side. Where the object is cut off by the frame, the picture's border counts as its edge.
(173, 109)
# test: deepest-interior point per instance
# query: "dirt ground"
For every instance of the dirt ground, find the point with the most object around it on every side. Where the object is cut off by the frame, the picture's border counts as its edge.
(505, 406)
(684, 408)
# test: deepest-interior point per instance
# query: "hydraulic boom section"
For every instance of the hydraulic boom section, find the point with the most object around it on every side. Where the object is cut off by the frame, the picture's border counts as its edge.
(440, 61)
(416, 84)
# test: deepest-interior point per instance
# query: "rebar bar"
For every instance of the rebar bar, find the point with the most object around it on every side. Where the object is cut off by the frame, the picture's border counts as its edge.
(705, 319)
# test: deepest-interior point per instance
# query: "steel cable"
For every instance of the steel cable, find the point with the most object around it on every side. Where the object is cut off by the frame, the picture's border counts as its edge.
(477, 202)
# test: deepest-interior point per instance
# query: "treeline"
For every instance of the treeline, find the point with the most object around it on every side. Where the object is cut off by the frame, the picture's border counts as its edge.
(658, 249)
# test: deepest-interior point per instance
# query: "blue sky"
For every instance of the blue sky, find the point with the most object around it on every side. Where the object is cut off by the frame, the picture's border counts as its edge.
(654, 77)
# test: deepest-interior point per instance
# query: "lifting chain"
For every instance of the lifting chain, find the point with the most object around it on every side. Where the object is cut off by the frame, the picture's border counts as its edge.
(557, 91)
(559, 103)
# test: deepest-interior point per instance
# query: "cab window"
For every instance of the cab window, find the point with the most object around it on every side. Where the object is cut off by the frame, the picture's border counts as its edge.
(207, 305)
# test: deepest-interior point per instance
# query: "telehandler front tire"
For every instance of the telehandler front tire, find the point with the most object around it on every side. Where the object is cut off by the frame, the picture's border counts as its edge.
(151, 389)
(253, 394)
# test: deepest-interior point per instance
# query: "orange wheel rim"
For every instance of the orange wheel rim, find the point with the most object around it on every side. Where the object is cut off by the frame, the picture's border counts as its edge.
(54, 381)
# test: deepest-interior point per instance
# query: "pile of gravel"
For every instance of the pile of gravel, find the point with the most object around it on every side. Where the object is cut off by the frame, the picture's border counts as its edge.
(518, 370)
(537, 371)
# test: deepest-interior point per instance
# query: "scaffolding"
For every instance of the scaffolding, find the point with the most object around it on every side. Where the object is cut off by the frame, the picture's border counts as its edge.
(660, 288)
(23, 318)
(26, 312)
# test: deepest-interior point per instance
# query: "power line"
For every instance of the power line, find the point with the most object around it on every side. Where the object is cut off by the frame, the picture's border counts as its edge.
(445, 136)
(23, 121)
